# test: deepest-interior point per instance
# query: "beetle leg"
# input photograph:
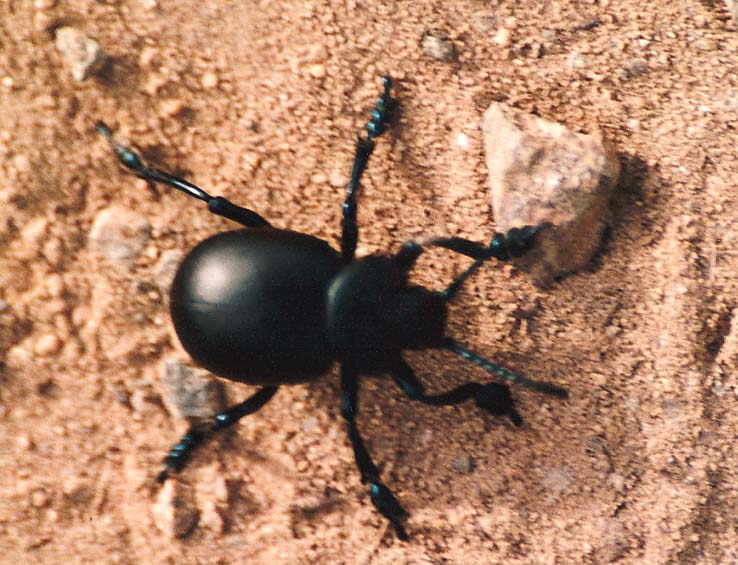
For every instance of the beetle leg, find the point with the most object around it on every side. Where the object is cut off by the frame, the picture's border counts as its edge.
(502, 247)
(182, 450)
(493, 397)
(380, 117)
(546, 388)
(382, 498)
(216, 204)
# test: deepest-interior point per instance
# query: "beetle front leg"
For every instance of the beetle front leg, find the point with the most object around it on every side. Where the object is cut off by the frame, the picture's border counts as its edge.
(503, 247)
(382, 498)
(180, 454)
(216, 204)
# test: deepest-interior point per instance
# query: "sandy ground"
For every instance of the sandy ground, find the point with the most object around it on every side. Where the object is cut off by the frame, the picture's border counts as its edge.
(261, 102)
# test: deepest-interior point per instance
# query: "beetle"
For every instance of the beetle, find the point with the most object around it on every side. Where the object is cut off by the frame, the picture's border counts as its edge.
(270, 307)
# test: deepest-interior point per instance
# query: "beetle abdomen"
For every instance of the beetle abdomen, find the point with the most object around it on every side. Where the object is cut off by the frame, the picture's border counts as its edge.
(249, 305)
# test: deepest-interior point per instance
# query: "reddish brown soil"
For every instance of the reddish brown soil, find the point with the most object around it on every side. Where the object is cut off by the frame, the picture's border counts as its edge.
(261, 102)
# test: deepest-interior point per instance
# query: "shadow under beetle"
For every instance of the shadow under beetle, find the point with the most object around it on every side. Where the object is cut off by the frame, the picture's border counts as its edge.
(271, 307)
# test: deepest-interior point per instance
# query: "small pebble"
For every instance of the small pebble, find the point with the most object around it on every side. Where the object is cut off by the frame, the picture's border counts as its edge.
(438, 47)
(172, 107)
(338, 179)
(548, 35)
(191, 393)
(718, 389)
(83, 55)
(147, 56)
(317, 70)
(576, 60)
(636, 67)
(119, 234)
(309, 424)
(209, 80)
(617, 481)
(503, 37)
(24, 443)
(47, 345)
(462, 141)
(558, 479)
(612, 331)
(40, 498)
(19, 356)
(464, 464)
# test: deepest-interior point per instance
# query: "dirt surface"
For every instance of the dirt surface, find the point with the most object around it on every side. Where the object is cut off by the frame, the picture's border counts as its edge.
(261, 102)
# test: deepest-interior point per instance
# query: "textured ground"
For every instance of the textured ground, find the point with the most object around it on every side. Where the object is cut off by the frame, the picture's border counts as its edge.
(261, 102)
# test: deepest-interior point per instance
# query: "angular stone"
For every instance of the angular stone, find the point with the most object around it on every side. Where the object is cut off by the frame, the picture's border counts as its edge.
(191, 393)
(542, 172)
(438, 47)
(83, 55)
(119, 234)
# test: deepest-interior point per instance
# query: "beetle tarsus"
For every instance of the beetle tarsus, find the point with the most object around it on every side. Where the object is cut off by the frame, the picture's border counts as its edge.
(383, 111)
(181, 451)
(389, 507)
(503, 247)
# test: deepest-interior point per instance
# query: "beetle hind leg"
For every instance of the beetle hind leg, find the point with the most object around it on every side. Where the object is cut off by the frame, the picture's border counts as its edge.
(181, 452)
(216, 204)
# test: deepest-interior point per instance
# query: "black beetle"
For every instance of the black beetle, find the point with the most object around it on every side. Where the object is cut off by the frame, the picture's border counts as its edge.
(271, 307)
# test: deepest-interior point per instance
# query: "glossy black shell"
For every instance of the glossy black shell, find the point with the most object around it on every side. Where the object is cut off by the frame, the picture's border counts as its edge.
(250, 305)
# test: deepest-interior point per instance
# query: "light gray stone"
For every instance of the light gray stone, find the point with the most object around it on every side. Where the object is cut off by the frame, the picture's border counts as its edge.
(542, 172)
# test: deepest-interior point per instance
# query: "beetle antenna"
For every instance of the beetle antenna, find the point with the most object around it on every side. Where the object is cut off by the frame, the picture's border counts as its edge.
(546, 388)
